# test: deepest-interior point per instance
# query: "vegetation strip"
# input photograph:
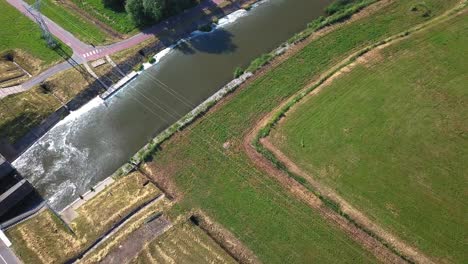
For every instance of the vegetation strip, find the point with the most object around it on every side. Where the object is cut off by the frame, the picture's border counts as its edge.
(330, 198)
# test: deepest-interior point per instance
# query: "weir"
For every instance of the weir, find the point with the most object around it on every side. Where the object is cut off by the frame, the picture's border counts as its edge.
(94, 141)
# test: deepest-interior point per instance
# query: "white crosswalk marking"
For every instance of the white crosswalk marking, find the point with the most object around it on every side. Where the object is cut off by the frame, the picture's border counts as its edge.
(93, 52)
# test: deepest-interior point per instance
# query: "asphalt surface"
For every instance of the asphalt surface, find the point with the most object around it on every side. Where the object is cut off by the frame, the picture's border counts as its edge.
(6, 255)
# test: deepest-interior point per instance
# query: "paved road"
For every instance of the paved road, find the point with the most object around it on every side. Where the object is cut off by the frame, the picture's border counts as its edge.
(83, 52)
(7, 256)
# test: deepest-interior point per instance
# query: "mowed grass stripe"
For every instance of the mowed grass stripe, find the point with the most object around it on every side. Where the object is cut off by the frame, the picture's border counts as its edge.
(243, 205)
(75, 24)
(30, 41)
(390, 137)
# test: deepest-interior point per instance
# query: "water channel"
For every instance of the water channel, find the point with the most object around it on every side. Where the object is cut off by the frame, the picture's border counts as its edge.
(93, 142)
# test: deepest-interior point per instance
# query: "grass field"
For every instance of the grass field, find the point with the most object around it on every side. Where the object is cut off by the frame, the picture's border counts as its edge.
(45, 239)
(78, 26)
(118, 20)
(29, 41)
(226, 185)
(391, 138)
(184, 243)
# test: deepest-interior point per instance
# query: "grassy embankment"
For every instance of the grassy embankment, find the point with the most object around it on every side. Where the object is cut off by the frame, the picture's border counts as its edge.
(225, 184)
(21, 112)
(45, 239)
(73, 23)
(183, 243)
(390, 137)
(32, 52)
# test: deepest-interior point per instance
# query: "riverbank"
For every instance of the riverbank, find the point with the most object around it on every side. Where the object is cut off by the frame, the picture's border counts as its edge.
(18, 120)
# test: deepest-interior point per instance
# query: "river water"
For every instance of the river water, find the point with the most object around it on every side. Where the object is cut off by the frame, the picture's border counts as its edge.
(92, 143)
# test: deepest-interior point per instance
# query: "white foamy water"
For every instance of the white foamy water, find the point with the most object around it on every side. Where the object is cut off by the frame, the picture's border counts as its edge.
(231, 18)
(49, 176)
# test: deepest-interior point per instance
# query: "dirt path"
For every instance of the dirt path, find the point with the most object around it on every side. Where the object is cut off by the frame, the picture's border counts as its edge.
(368, 241)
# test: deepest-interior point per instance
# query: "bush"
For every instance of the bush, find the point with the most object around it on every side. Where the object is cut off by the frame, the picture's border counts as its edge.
(259, 62)
(338, 6)
(247, 6)
(205, 28)
(238, 72)
(152, 60)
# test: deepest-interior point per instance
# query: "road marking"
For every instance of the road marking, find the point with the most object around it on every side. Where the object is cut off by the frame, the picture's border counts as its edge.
(4, 261)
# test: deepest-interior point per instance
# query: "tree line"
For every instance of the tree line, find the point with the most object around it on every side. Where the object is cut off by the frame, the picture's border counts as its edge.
(145, 12)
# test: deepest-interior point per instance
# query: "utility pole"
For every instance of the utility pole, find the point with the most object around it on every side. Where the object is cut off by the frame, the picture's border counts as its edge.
(35, 11)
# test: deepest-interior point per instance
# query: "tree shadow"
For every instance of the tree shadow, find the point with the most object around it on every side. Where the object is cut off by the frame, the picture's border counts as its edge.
(174, 28)
(116, 6)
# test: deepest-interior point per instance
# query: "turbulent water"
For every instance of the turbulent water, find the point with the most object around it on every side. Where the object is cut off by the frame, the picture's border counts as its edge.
(93, 142)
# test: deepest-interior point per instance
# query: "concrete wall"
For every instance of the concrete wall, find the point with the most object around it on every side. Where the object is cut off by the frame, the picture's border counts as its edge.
(14, 195)
(5, 169)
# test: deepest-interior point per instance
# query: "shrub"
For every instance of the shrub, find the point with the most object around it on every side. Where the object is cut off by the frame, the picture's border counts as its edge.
(247, 6)
(152, 60)
(205, 28)
(259, 62)
(238, 72)
(338, 6)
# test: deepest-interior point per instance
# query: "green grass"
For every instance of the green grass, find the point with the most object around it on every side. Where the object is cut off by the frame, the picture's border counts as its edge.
(390, 137)
(78, 26)
(30, 41)
(247, 202)
(183, 243)
(118, 20)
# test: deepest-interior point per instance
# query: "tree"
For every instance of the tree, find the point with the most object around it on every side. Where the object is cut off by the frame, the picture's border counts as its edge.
(154, 8)
(137, 12)
(117, 5)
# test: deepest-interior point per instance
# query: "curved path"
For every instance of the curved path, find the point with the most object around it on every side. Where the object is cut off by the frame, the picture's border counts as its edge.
(83, 52)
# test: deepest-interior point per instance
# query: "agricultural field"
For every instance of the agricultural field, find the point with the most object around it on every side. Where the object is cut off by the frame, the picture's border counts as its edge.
(31, 49)
(212, 172)
(183, 243)
(75, 24)
(46, 239)
(390, 137)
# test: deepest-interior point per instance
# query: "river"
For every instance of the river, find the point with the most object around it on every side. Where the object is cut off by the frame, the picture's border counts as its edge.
(93, 142)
